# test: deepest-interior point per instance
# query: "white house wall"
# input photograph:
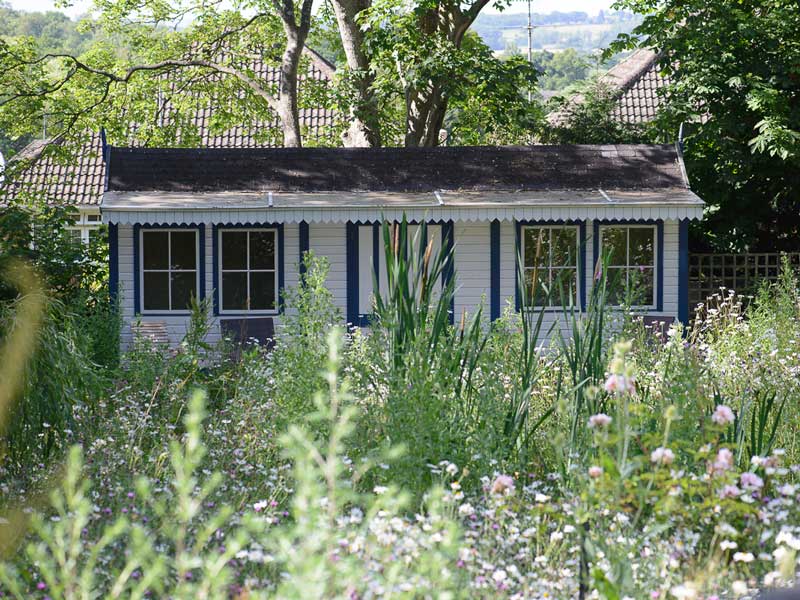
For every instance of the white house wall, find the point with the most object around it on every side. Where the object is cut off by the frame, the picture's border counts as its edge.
(472, 265)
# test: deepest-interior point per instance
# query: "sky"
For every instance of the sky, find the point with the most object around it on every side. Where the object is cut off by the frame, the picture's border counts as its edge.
(541, 6)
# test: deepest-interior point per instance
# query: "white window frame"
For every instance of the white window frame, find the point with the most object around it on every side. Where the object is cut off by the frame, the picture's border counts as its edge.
(86, 223)
(627, 266)
(248, 270)
(550, 268)
(142, 270)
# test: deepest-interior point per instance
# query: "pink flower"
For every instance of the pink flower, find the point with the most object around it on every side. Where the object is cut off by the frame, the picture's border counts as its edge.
(599, 420)
(730, 491)
(723, 415)
(724, 461)
(618, 384)
(595, 471)
(662, 456)
(751, 481)
(503, 484)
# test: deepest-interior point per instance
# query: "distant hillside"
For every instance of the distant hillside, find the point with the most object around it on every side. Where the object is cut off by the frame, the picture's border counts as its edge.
(555, 31)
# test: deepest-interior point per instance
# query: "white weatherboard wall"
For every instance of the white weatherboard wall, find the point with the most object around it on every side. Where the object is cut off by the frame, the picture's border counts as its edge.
(472, 265)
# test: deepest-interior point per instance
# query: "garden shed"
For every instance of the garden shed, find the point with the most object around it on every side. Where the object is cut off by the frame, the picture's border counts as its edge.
(233, 224)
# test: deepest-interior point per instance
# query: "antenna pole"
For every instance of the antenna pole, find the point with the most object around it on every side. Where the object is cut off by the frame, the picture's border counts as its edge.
(530, 45)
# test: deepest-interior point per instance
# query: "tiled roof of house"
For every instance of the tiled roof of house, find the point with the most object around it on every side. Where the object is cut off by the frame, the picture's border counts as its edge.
(396, 169)
(81, 179)
(639, 80)
(636, 81)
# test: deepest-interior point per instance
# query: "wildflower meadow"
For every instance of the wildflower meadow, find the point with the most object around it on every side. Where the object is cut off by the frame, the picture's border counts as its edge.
(415, 458)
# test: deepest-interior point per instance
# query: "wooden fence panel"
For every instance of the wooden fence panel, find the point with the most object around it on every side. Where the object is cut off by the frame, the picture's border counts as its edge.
(741, 272)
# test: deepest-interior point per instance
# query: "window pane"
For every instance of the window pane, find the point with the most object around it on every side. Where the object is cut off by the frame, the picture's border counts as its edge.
(184, 250)
(234, 250)
(642, 286)
(234, 291)
(156, 291)
(262, 249)
(614, 241)
(536, 239)
(537, 293)
(616, 284)
(262, 291)
(155, 250)
(642, 245)
(565, 247)
(565, 283)
(184, 286)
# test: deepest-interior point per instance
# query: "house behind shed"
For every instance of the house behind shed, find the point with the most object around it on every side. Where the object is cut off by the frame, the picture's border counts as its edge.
(233, 224)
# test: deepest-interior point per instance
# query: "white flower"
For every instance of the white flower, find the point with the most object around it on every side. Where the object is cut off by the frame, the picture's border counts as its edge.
(499, 575)
(787, 489)
(723, 415)
(451, 469)
(662, 456)
(728, 545)
(380, 489)
(599, 420)
(466, 509)
(739, 588)
(556, 536)
(684, 591)
(745, 557)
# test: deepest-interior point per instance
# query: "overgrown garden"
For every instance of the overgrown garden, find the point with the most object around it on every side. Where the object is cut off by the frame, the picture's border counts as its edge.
(419, 458)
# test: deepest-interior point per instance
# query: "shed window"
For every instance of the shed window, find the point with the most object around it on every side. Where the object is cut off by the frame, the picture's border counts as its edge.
(248, 270)
(169, 269)
(631, 254)
(550, 257)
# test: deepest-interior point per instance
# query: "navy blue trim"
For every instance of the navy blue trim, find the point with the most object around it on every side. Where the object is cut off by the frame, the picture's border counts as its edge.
(113, 261)
(581, 262)
(376, 250)
(136, 275)
(304, 246)
(106, 151)
(659, 223)
(494, 270)
(448, 243)
(201, 269)
(683, 271)
(215, 267)
(351, 248)
(517, 246)
(281, 267)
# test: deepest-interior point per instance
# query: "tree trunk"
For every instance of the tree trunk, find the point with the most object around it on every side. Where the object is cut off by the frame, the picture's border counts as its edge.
(287, 95)
(364, 130)
(426, 107)
(296, 35)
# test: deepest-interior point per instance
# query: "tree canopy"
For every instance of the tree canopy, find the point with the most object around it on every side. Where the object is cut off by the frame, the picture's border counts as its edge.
(735, 72)
(402, 69)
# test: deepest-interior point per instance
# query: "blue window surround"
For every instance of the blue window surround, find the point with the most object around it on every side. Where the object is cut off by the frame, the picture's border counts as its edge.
(215, 255)
(659, 224)
(304, 246)
(362, 320)
(683, 271)
(113, 261)
(581, 225)
(201, 257)
(494, 270)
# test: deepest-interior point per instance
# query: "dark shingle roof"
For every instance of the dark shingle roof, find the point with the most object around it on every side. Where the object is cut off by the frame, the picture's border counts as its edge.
(81, 181)
(396, 169)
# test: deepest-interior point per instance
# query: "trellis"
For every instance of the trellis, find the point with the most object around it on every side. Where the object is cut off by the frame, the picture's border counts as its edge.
(740, 272)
